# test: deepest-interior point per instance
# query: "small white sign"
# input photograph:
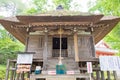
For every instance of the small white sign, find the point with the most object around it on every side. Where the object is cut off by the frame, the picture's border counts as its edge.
(70, 72)
(24, 58)
(38, 68)
(52, 72)
(89, 67)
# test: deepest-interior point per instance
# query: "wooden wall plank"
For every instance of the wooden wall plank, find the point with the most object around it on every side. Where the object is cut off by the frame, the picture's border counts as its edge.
(86, 46)
(36, 44)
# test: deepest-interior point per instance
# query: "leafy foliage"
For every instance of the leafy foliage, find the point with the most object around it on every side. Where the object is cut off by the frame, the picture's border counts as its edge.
(31, 11)
(40, 4)
(64, 3)
(110, 7)
(9, 46)
(46, 5)
(107, 7)
(2, 72)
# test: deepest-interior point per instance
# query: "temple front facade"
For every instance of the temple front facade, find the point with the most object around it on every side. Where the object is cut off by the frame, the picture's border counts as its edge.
(61, 37)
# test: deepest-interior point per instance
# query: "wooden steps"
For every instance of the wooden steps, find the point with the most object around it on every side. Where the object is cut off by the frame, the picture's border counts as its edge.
(68, 62)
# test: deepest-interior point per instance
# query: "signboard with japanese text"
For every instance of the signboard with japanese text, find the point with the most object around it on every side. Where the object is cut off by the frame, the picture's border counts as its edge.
(109, 63)
(24, 61)
(24, 58)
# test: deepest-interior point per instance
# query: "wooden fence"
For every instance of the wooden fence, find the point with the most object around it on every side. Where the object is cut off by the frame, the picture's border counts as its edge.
(96, 75)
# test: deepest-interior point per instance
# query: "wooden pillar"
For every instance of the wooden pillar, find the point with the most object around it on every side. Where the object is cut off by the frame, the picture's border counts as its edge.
(26, 43)
(76, 47)
(92, 46)
(28, 74)
(102, 75)
(45, 52)
(18, 76)
(70, 47)
(7, 70)
(13, 71)
(115, 75)
(108, 75)
(97, 72)
(92, 75)
(22, 76)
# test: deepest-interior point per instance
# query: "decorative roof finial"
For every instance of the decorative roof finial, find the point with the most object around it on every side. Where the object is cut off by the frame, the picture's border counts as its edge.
(60, 7)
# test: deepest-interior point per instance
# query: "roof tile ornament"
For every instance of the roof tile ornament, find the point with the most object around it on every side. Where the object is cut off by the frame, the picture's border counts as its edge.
(60, 7)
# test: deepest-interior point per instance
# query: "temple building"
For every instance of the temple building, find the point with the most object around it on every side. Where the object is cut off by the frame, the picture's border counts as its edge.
(61, 36)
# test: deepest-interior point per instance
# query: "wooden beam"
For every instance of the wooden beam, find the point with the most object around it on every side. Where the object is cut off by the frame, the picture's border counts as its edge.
(60, 23)
(51, 24)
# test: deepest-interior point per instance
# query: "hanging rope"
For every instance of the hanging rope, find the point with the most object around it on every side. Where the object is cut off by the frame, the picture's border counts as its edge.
(60, 56)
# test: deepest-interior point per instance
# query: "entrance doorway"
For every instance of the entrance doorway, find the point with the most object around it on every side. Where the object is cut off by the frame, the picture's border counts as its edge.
(56, 47)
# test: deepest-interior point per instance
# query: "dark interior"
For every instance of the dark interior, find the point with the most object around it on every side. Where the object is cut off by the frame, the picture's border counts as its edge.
(56, 47)
(56, 43)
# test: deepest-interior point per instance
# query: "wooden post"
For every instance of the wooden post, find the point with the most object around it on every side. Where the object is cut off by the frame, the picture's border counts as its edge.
(28, 74)
(45, 52)
(115, 75)
(13, 71)
(26, 43)
(108, 75)
(76, 47)
(92, 75)
(7, 70)
(18, 76)
(22, 76)
(97, 72)
(102, 75)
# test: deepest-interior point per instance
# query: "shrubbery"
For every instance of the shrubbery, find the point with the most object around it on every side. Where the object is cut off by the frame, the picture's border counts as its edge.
(9, 46)
(2, 72)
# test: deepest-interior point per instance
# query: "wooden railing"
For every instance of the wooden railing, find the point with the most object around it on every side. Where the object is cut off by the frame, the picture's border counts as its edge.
(96, 75)
(11, 70)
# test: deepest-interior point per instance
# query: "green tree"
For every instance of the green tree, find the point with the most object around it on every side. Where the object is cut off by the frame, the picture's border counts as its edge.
(38, 6)
(9, 46)
(46, 5)
(64, 3)
(110, 7)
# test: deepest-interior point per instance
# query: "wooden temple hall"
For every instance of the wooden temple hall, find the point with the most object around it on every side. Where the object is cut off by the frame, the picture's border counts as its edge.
(60, 37)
